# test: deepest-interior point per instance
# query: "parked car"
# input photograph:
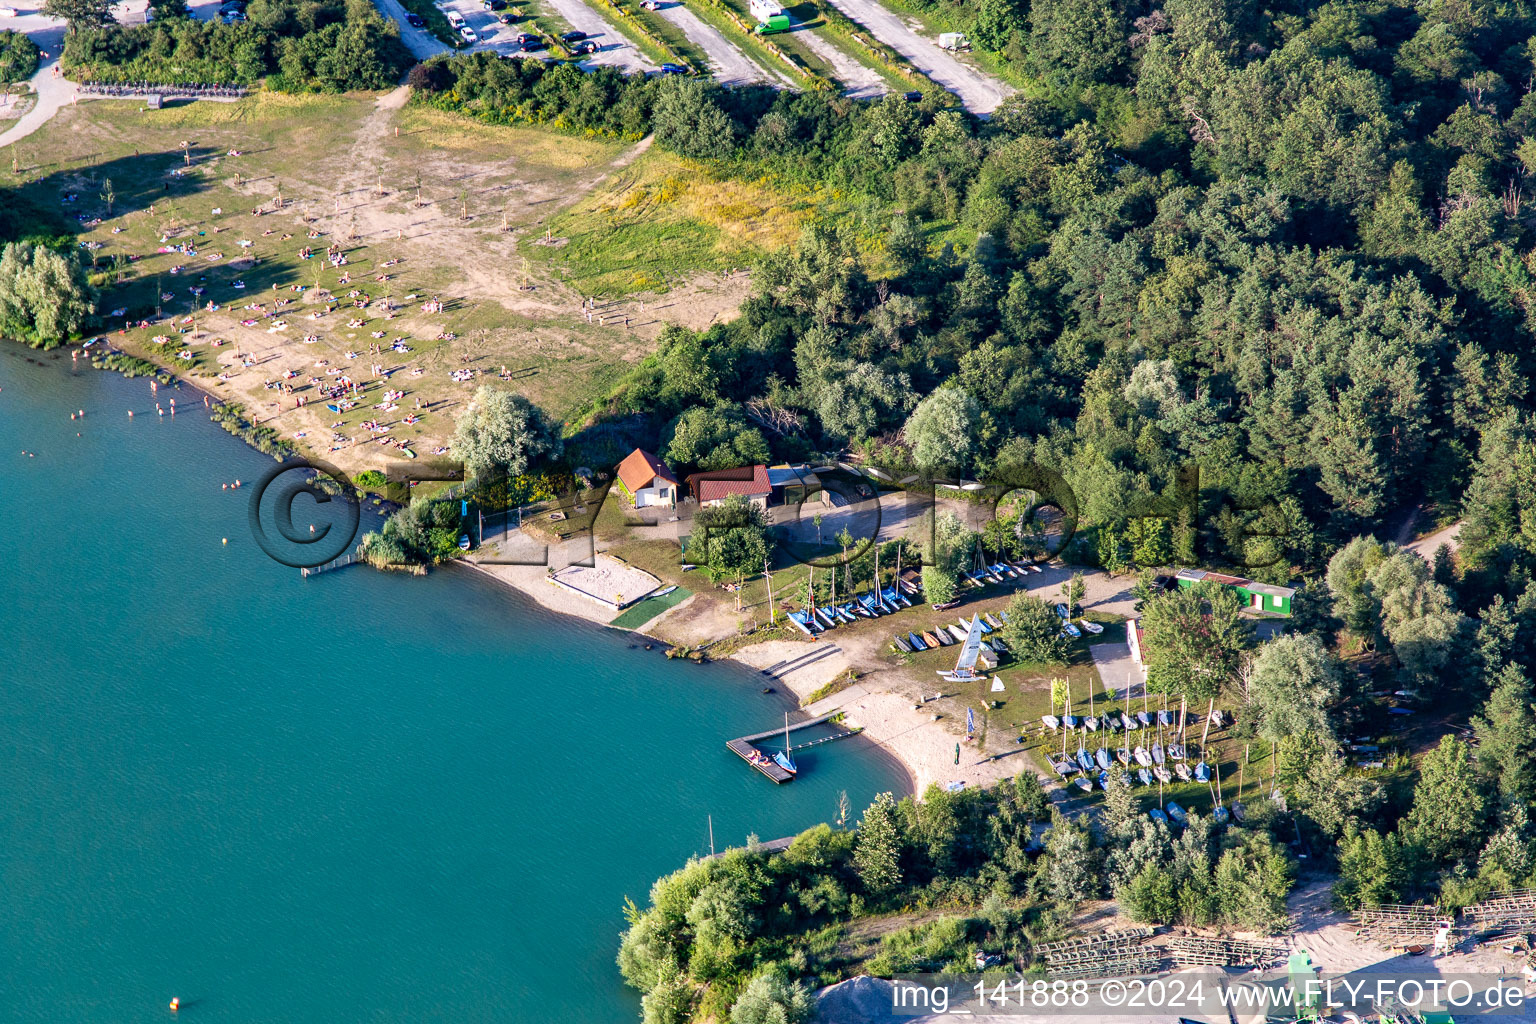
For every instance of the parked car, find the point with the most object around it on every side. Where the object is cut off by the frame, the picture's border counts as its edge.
(508, 19)
(455, 19)
(415, 21)
(651, 5)
(912, 97)
(586, 46)
(529, 41)
(469, 35)
(233, 17)
(8, 12)
(673, 69)
(494, 5)
(573, 36)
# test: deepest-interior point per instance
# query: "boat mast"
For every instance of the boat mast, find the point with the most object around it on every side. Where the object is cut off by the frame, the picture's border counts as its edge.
(878, 600)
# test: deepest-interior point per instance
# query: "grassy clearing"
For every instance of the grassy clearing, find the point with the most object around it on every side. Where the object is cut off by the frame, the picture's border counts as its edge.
(664, 218)
(427, 133)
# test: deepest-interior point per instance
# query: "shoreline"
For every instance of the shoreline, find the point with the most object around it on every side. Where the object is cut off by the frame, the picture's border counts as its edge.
(910, 749)
(916, 741)
(915, 734)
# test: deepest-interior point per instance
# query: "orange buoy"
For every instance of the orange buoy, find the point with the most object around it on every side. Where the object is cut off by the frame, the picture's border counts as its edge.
(175, 1004)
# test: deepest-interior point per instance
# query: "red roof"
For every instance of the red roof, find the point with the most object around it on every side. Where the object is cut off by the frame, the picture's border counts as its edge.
(639, 468)
(751, 481)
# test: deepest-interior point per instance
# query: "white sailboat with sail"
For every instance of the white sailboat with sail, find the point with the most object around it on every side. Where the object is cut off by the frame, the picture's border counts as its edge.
(781, 757)
(965, 665)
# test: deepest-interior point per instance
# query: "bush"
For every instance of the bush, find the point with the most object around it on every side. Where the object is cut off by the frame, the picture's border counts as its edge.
(18, 57)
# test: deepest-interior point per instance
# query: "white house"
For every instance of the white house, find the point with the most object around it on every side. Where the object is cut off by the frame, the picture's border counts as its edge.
(647, 480)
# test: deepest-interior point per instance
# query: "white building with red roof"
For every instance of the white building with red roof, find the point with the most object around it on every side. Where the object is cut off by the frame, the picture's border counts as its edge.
(647, 480)
(713, 487)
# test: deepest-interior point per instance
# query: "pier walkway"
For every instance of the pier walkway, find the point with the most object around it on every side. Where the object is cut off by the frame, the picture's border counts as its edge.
(744, 746)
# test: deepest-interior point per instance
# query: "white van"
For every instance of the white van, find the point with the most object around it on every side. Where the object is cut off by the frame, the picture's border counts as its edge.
(455, 19)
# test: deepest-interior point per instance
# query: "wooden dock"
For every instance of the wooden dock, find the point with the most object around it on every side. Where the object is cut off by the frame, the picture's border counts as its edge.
(351, 558)
(744, 746)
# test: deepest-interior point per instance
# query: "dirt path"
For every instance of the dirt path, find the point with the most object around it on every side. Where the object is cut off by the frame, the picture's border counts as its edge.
(1427, 546)
(729, 65)
(53, 91)
(980, 93)
(860, 81)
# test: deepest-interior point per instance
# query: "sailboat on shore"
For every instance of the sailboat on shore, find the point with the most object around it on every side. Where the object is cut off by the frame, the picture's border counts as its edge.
(965, 665)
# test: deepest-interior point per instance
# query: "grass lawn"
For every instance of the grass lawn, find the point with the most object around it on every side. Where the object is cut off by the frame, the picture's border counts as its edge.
(262, 177)
(639, 614)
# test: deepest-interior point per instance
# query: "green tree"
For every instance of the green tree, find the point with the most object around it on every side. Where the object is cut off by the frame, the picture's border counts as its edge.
(1251, 881)
(18, 57)
(731, 538)
(939, 585)
(1071, 864)
(502, 430)
(942, 430)
(877, 847)
(688, 120)
(1033, 630)
(1417, 615)
(769, 999)
(1373, 869)
(1077, 41)
(44, 298)
(1354, 600)
(1151, 896)
(80, 14)
(1194, 640)
(1506, 734)
(714, 437)
(859, 400)
(1450, 806)
(1292, 681)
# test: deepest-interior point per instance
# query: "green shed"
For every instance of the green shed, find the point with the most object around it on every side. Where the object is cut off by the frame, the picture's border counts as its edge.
(1264, 598)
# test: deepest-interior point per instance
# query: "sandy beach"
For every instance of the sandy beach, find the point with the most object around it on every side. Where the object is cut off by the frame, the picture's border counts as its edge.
(922, 739)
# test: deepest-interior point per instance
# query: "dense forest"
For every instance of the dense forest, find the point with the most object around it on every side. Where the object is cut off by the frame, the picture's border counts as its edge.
(1285, 245)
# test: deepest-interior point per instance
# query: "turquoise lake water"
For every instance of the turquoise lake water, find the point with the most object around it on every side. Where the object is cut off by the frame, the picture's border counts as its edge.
(357, 797)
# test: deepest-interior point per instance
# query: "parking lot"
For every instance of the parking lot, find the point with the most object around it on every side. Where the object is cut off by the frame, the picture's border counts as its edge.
(613, 48)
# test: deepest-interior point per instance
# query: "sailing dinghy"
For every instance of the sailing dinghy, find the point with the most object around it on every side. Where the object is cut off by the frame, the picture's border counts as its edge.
(965, 665)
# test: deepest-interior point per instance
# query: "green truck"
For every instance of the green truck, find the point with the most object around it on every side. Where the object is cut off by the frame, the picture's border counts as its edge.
(775, 23)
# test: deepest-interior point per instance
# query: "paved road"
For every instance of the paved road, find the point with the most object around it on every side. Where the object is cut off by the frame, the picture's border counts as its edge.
(54, 91)
(729, 64)
(616, 50)
(859, 80)
(980, 93)
(419, 41)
